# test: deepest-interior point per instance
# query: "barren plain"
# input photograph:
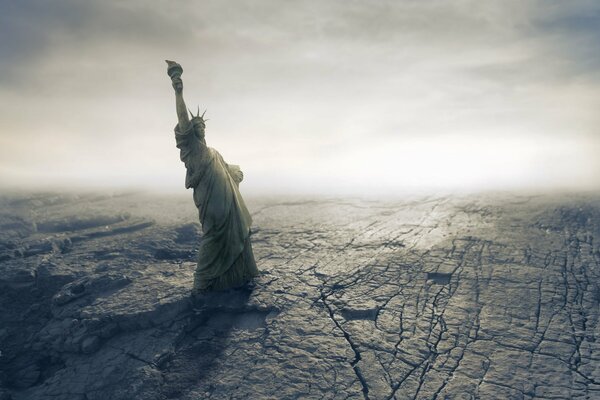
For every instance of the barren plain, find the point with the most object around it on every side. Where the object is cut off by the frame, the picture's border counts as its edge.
(490, 296)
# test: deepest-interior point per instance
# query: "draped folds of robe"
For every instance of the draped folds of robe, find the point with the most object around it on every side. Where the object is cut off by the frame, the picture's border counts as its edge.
(225, 257)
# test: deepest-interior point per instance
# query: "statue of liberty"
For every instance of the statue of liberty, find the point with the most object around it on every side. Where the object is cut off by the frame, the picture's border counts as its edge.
(225, 258)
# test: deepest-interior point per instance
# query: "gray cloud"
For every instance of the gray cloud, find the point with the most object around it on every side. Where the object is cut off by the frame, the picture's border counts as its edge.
(573, 34)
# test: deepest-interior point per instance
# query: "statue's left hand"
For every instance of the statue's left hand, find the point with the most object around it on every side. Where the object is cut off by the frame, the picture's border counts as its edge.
(239, 175)
(236, 173)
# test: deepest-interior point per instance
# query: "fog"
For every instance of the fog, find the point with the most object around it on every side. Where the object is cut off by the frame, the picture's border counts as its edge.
(353, 97)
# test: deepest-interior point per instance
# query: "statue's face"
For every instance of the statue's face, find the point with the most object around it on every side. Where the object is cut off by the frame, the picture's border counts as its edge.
(198, 127)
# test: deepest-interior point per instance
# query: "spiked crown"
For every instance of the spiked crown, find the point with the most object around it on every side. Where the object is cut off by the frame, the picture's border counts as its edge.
(198, 116)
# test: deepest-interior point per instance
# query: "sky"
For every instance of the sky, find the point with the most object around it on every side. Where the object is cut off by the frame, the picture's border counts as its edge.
(320, 96)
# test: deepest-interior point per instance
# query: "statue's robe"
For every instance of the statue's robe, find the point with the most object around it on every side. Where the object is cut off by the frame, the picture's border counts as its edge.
(225, 257)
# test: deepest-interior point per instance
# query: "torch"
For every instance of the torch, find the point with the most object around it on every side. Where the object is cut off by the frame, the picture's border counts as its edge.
(174, 70)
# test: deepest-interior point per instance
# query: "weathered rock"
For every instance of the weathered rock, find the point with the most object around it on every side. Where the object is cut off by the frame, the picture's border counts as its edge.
(90, 344)
(93, 285)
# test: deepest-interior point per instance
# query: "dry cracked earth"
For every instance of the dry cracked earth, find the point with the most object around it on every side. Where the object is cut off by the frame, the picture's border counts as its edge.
(491, 296)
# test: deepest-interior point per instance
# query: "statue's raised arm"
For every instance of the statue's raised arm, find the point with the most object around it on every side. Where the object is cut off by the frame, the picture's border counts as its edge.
(174, 70)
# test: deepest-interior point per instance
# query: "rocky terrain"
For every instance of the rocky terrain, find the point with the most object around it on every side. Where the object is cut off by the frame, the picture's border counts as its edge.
(464, 297)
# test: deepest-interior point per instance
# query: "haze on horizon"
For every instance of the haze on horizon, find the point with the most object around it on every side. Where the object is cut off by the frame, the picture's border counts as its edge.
(315, 96)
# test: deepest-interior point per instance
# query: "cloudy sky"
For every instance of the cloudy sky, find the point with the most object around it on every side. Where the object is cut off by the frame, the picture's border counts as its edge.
(324, 96)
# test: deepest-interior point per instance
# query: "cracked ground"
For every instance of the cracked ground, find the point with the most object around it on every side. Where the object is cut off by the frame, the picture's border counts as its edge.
(491, 296)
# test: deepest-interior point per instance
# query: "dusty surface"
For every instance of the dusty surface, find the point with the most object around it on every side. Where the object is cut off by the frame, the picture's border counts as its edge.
(491, 297)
